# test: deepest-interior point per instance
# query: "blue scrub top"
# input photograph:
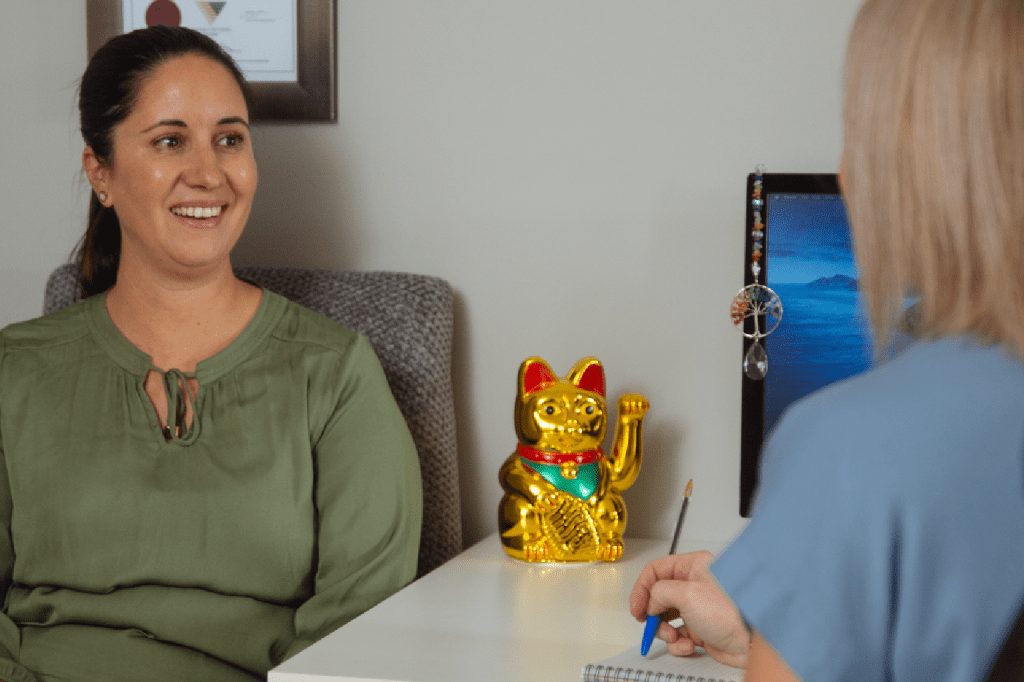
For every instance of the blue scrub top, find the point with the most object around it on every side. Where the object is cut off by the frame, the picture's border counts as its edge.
(887, 540)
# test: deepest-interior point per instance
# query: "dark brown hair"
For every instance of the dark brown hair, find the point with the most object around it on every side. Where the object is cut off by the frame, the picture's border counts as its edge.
(106, 96)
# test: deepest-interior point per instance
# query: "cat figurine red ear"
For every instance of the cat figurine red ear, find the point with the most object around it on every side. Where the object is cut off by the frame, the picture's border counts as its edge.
(563, 498)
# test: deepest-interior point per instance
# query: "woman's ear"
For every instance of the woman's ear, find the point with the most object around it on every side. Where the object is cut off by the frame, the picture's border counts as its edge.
(96, 171)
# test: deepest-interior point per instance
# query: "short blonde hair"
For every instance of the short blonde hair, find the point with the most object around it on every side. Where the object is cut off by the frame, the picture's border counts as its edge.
(933, 165)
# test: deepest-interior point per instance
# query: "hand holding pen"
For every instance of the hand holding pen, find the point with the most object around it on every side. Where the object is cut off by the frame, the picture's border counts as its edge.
(683, 586)
(654, 621)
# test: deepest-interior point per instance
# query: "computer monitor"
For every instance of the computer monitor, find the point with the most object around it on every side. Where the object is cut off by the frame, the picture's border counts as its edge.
(823, 335)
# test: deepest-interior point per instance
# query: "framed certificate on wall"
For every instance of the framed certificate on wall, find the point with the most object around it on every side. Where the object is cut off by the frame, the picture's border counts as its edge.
(285, 48)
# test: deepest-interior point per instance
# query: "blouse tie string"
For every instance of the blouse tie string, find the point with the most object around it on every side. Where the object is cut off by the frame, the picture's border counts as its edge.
(180, 401)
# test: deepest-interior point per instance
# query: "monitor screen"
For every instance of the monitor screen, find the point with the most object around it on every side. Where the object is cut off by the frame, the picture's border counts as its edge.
(823, 335)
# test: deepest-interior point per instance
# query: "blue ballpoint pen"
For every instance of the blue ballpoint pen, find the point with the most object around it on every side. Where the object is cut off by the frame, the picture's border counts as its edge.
(651, 626)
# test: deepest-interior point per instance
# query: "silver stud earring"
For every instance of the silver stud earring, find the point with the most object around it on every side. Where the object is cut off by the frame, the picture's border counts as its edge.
(102, 196)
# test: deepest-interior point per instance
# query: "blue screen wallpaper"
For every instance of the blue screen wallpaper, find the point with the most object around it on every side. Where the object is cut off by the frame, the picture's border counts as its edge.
(824, 334)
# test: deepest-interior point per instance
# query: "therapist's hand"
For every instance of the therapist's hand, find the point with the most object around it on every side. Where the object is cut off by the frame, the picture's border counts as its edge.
(682, 585)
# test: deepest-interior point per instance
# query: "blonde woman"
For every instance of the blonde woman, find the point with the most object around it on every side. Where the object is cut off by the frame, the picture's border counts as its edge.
(886, 542)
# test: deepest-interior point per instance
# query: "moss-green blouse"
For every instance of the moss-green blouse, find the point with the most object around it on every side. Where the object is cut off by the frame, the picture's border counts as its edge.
(290, 505)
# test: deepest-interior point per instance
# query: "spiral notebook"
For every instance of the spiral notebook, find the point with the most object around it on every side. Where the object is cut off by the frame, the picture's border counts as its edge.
(659, 666)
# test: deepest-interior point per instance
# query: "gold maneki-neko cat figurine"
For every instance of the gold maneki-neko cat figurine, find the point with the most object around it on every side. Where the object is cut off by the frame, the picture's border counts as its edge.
(563, 497)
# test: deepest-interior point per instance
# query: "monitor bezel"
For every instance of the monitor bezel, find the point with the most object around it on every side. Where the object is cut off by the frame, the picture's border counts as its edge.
(752, 413)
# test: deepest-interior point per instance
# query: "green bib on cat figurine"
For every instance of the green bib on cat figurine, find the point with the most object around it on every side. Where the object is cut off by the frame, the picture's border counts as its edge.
(583, 486)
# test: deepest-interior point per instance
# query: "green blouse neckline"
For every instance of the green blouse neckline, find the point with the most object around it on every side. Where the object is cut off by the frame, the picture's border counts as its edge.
(127, 355)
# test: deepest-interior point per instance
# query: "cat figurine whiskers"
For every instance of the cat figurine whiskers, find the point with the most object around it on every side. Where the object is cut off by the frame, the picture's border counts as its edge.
(563, 498)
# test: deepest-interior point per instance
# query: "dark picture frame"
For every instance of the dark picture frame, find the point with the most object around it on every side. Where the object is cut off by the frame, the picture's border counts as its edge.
(313, 97)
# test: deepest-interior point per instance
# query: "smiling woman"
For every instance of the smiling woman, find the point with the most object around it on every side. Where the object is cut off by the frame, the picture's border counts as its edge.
(143, 70)
(230, 478)
(183, 177)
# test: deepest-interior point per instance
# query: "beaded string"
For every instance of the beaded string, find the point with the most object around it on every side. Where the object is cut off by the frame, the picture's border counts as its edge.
(756, 302)
(757, 203)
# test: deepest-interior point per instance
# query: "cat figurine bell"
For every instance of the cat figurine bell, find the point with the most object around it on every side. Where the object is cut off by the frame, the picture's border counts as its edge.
(563, 500)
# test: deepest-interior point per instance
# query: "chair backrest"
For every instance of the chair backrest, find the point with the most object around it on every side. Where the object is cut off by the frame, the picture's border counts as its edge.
(408, 319)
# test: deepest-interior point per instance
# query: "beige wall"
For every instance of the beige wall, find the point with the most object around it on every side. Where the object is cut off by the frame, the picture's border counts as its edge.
(575, 168)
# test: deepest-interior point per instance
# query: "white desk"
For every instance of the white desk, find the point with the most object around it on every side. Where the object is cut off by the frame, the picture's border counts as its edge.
(485, 616)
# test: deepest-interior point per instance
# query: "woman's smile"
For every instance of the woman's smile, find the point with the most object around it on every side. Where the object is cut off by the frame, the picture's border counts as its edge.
(197, 211)
(199, 215)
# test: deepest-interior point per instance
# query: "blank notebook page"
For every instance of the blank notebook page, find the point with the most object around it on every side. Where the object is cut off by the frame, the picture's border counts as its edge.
(659, 666)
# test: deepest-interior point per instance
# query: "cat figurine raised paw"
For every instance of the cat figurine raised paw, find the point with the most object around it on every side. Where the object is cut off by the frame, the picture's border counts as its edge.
(563, 498)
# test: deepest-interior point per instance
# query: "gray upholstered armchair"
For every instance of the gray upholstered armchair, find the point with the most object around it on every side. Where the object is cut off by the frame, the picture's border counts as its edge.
(408, 318)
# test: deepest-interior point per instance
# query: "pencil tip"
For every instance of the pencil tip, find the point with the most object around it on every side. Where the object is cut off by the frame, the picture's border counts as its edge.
(689, 488)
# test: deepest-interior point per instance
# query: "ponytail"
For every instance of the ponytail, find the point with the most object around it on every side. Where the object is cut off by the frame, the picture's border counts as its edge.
(99, 252)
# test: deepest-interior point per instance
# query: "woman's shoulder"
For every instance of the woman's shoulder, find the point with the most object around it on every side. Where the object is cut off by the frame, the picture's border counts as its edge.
(308, 330)
(923, 416)
(928, 382)
(58, 328)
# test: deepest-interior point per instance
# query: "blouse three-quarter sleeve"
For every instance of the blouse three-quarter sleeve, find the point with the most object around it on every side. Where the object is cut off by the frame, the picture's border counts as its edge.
(367, 494)
(10, 635)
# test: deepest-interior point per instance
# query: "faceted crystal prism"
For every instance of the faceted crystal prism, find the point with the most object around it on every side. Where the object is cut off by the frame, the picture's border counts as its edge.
(755, 362)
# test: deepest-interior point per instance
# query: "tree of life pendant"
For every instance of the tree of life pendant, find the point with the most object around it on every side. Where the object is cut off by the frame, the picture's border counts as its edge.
(756, 311)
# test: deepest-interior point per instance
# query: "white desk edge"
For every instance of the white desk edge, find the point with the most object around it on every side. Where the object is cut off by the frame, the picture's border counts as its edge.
(485, 615)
